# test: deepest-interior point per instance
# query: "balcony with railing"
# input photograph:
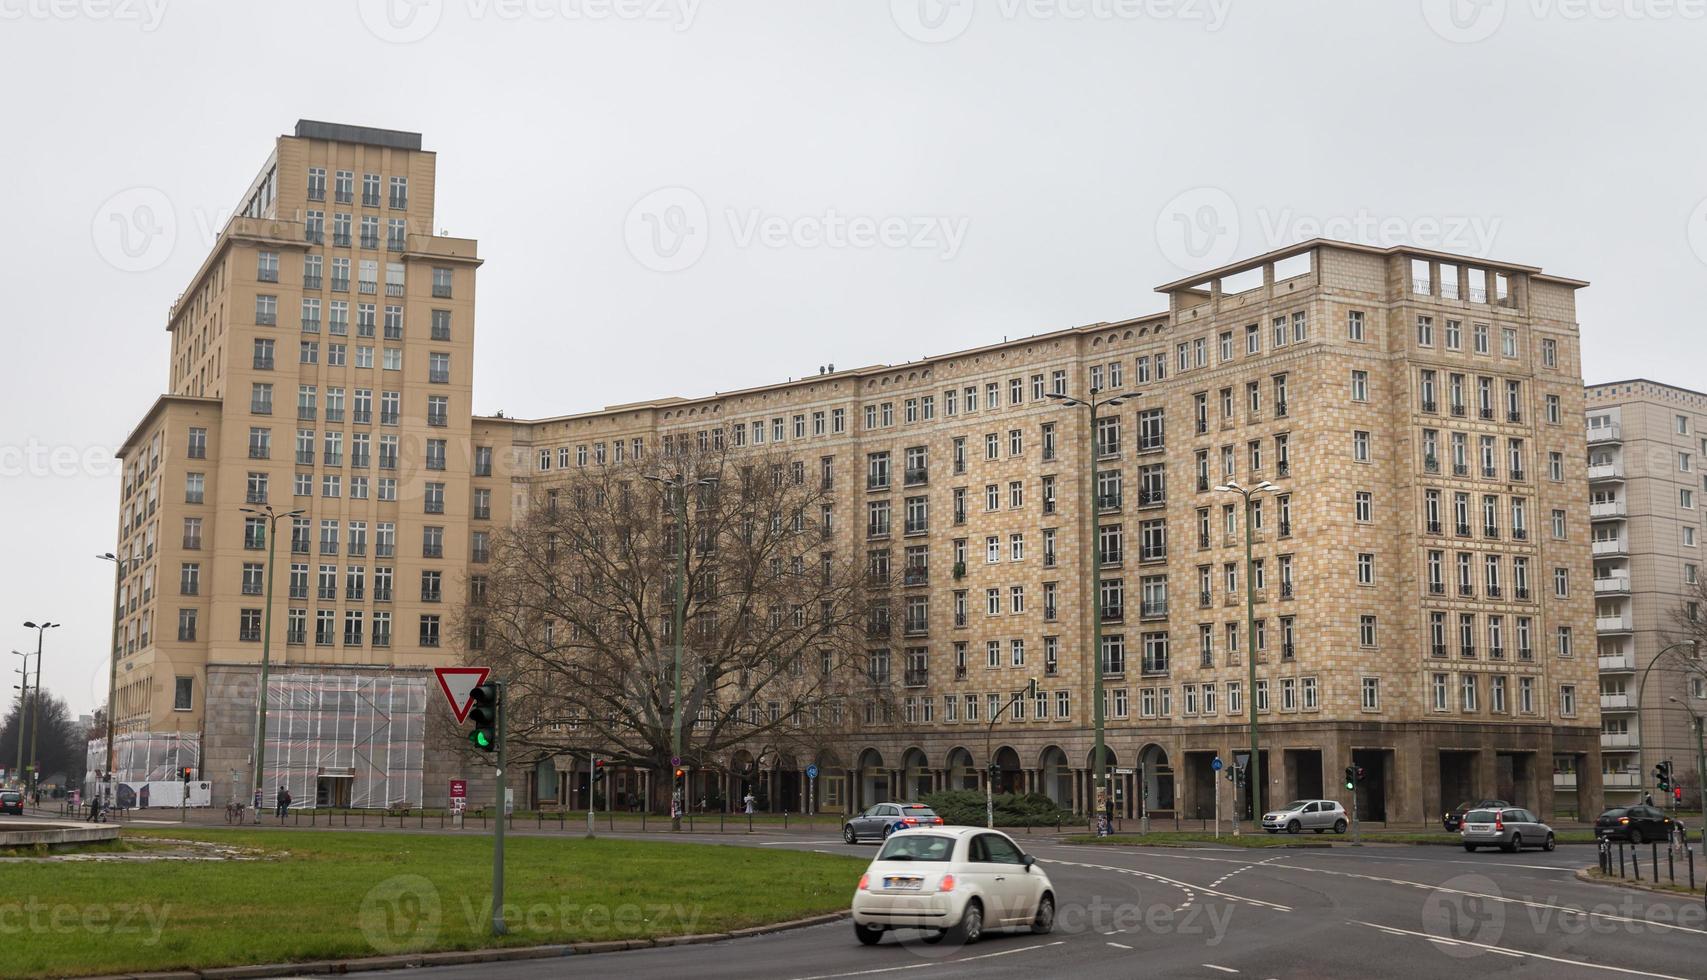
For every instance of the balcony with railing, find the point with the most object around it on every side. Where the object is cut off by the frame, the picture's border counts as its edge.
(918, 526)
(1607, 510)
(1604, 433)
(1107, 502)
(1113, 613)
(917, 476)
(1612, 624)
(916, 575)
(1606, 471)
(1616, 702)
(1612, 585)
(1154, 609)
(1617, 662)
(916, 625)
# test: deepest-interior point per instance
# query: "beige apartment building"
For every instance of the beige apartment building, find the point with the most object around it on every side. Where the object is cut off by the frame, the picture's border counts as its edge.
(1646, 445)
(1419, 414)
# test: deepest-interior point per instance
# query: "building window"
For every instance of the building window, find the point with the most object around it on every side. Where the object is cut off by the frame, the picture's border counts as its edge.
(1371, 694)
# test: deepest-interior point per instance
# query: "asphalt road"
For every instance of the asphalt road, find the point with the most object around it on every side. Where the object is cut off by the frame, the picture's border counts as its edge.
(1376, 911)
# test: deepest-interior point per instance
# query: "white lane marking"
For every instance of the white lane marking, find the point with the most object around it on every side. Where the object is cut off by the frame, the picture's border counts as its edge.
(1497, 898)
(1189, 889)
(1223, 969)
(1119, 946)
(1526, 955)
(918, 966)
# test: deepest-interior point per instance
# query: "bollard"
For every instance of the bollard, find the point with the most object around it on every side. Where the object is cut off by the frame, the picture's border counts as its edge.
(1620, 859)
(1636, 862)
(1691, 854)
(1654, 861)
(643, 821)
(785, 820)
(749, 823)
(1671, 865)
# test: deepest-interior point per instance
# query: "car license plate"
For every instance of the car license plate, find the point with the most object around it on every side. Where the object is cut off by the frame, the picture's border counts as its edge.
(1480, 828)
(903, 884)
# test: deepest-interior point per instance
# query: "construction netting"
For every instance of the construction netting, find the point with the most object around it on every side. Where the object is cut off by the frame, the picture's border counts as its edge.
(146, 756)
(346, 740)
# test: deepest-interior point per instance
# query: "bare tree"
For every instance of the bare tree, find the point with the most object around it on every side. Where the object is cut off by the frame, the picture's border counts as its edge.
(785, 641)
(1687, 641)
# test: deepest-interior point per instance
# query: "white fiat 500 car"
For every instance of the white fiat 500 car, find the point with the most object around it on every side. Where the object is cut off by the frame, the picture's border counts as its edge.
(954, 882)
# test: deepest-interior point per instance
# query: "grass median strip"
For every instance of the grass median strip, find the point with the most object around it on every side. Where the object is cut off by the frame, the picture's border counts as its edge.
(317, 895)
(1190, 838)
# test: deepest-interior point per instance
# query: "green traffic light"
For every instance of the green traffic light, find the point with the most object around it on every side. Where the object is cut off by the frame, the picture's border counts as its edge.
(481, 738)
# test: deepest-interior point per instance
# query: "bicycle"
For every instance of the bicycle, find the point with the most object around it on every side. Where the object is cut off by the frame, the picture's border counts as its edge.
(234, 812)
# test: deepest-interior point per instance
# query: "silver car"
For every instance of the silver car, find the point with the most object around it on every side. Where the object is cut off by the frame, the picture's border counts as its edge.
(1508, 828)
(1318, 815)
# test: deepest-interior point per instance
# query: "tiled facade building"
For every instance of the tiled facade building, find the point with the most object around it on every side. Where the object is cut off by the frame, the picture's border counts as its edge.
(1420, 415)
(1646, 445)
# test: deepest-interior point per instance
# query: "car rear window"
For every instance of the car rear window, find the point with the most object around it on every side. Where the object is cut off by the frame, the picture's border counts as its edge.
(917, 810)
(1615, 812)
(917, 847)
(1479, 816)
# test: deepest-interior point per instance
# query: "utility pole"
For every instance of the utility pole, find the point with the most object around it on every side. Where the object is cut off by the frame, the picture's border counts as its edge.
(119, 567)
(34, 715)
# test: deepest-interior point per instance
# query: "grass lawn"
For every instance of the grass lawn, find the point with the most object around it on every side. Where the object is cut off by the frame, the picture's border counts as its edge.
(1167, 838)
(319, 895)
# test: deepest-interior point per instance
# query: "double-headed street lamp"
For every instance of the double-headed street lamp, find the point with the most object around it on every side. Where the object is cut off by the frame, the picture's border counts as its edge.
(120, 566)
(23, 689)
(1253, 778)
(677, 486)
(266, 513)
(1104, 799)
(35, 715)
(1700, 753)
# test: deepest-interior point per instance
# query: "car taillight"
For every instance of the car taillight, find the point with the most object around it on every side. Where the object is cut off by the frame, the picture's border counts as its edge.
(1499, 822)
(864, 881)
(911, 822)
(938, 821)
(947, 884)
(1623, 819)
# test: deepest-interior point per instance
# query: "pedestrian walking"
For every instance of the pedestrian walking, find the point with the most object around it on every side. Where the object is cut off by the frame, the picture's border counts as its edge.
(284, 802)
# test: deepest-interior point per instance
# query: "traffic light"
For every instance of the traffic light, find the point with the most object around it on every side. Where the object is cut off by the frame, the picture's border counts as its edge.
(598, 768)
(1662, 776)
(484, 714)
(189, 773)
(1350, 777)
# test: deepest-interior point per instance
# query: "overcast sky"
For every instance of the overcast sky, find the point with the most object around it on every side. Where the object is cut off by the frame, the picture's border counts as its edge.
(676, 197)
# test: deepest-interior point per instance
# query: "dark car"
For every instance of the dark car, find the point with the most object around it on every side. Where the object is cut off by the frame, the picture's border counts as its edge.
(1636, 823)
(1453, 819)
(885, 818)
(11, 801)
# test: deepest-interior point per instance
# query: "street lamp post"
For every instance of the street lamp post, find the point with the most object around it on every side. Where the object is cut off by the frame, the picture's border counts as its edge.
(678, 484)
(1030, 691)
(1103, 799)
(272, 518)
(23, 689)
(1253, 777)
(120, 566)
(1641, 704)
(1700, 756)
(35, 715)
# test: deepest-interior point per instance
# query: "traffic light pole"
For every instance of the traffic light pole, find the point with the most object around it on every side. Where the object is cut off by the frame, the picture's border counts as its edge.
(498, 928)
(592, 787)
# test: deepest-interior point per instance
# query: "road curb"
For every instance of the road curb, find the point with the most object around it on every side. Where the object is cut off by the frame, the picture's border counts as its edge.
(459, 957)
(1588, 875)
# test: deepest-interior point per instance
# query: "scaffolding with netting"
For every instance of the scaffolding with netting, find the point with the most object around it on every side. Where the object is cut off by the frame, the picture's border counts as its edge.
(346, 739)
(141, 757)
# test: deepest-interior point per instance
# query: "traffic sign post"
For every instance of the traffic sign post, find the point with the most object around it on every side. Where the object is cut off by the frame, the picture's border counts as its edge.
(811, 788)
(469, 690)
(1215, 765)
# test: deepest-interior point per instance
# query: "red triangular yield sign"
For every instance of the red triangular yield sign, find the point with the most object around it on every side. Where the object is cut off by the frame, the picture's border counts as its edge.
(458, 684)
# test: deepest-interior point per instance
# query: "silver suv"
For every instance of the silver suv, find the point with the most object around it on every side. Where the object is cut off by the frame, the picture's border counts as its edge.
(1507, 828)
(1318, 815)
